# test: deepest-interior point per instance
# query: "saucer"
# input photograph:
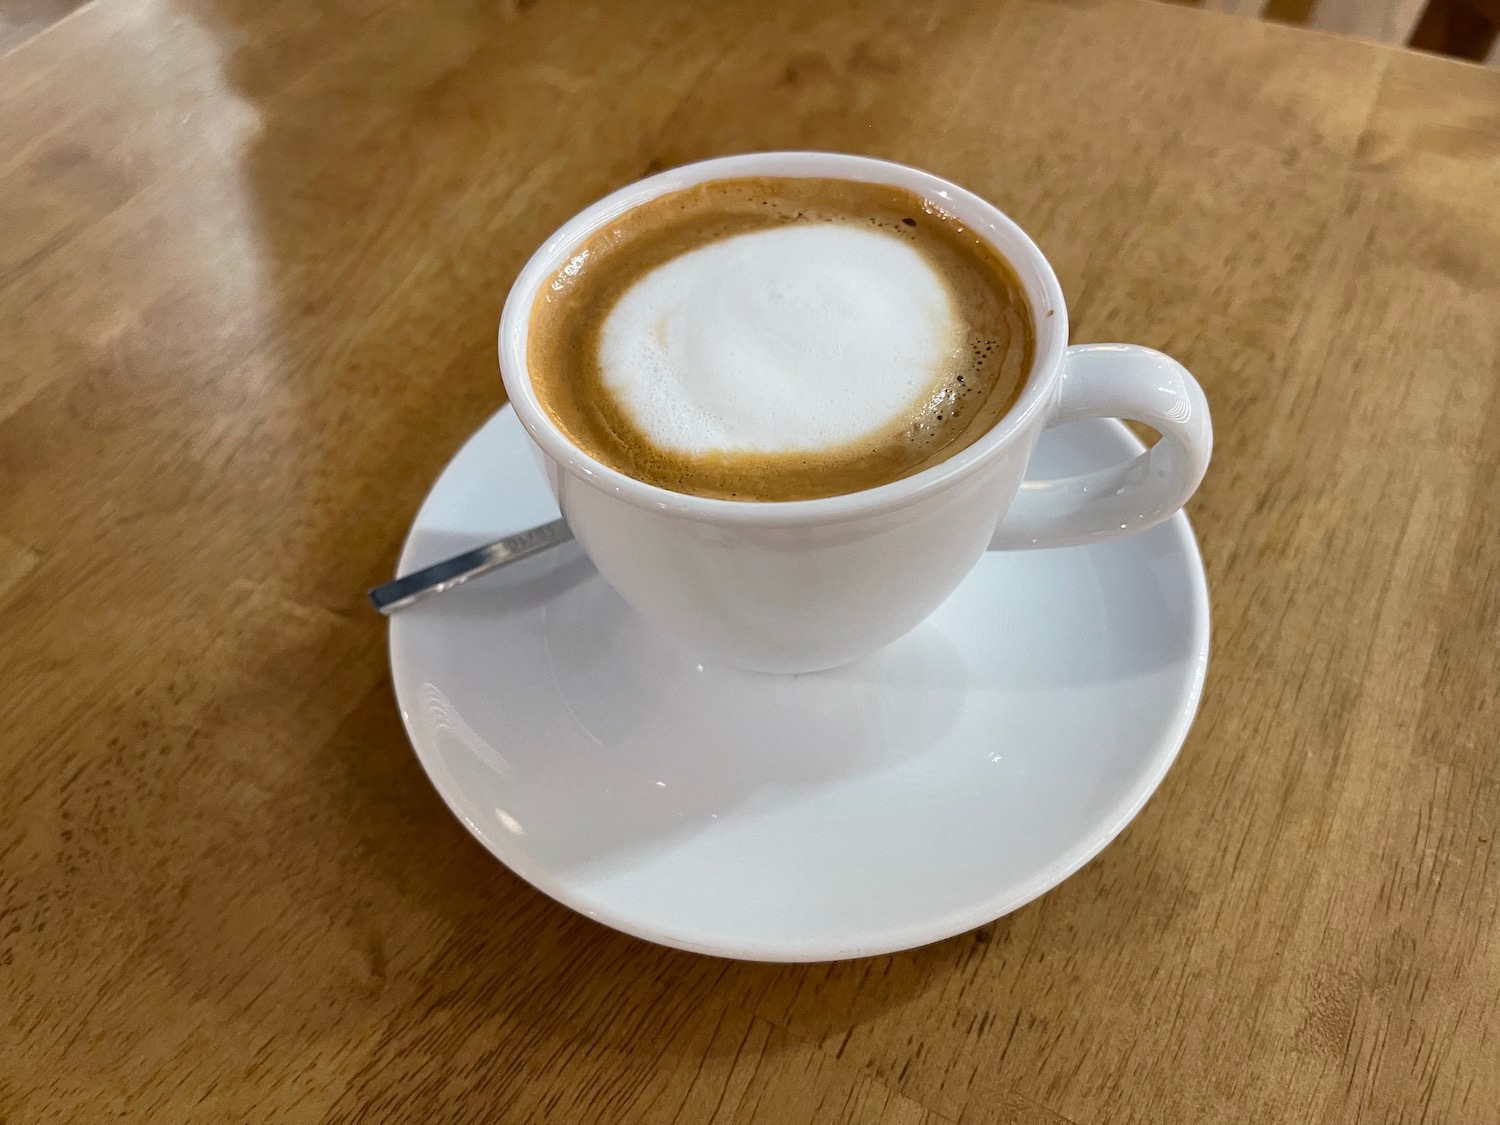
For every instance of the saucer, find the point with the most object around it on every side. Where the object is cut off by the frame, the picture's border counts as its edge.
(919, 793)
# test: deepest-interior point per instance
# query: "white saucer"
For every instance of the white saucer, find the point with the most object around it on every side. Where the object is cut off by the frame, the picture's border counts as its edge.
(919, 793)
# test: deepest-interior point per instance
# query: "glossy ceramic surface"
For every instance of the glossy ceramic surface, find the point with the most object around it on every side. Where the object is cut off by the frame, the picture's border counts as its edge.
(807, 585)
(915, 794)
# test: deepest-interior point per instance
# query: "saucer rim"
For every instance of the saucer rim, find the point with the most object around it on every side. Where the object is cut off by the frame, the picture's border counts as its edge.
(937, 928)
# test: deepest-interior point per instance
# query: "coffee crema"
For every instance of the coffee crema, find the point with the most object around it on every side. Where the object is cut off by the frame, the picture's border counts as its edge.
(780, 338)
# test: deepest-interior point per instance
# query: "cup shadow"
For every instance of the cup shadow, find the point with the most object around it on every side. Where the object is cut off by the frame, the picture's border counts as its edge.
(631, 734)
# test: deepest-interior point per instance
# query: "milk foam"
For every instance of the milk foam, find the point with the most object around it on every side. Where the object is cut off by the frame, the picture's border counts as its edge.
(787, 339)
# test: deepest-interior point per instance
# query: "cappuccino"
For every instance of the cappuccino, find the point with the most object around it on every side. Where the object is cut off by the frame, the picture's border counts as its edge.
(773, 338)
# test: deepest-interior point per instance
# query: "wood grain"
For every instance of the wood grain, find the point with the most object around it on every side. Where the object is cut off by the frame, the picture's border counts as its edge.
(253, 258)
(21, 20)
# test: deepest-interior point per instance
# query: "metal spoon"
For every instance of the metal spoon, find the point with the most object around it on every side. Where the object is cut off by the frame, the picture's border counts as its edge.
(452, 572)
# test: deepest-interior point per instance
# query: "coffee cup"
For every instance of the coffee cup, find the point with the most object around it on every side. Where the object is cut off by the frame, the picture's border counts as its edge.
(804, 585)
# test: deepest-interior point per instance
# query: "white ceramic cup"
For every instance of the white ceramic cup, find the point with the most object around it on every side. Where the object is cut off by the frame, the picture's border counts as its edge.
(797, 586)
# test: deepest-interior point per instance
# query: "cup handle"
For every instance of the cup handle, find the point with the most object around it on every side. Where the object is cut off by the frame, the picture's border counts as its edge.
(1116, 381)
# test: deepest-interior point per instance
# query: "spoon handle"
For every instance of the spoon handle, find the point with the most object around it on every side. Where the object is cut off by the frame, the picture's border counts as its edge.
(452, 572)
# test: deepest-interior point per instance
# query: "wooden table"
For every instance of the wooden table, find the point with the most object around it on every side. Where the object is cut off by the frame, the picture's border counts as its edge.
(251, 262)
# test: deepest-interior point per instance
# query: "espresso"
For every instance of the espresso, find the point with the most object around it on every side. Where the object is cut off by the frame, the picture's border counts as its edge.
(777, 338)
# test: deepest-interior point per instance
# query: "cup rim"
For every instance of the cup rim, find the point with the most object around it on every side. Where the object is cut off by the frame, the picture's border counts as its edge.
(1043, 293)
